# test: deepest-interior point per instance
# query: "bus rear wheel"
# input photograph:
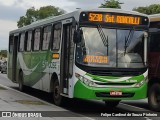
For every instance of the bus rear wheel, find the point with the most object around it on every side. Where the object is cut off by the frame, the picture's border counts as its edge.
(57, 98)
(110, 104)
(154, 97)
(20, 81)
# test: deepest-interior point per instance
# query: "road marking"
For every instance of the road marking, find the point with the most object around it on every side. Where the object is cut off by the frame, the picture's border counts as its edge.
(134, 107)
(147, 118)
(43, 101)
(141, 109)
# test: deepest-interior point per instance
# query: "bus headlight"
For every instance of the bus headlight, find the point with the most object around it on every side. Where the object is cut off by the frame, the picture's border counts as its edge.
(139, 84)
(85, 80)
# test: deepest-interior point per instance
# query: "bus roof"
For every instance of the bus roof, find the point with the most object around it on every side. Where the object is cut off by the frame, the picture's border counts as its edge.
(74, 14)
(154, 17)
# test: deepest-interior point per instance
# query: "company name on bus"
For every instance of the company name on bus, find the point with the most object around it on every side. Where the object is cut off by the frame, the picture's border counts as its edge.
(49, 64)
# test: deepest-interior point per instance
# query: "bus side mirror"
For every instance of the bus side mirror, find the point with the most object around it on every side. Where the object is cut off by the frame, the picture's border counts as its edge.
(77, 36)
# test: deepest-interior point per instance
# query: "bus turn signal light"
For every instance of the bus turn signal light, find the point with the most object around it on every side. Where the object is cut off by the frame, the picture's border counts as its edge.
(55, 55)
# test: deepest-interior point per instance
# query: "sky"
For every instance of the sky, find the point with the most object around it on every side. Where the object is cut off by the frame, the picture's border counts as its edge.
(11, 10)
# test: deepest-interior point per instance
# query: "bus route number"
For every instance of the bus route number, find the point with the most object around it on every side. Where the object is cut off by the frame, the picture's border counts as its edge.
(95, 17)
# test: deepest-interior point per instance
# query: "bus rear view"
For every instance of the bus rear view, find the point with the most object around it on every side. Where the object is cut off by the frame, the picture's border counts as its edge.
(154, 66)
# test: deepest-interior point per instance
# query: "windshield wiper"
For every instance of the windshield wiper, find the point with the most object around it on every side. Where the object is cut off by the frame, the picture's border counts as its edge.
(103, 37)
(128, 40)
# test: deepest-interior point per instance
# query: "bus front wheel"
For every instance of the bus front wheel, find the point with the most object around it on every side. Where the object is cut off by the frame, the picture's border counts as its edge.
(20, 81)
(154, 97)
(111, 104)
(57, 98)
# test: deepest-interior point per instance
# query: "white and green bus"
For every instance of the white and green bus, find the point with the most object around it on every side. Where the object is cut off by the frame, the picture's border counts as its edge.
(98, 54)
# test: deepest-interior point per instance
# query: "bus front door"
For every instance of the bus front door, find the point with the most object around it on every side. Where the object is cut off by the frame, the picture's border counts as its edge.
(12, 63)
(66, 56)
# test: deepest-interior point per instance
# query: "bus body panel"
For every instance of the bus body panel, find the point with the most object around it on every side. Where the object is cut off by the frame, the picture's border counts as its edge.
(85, 92)
(126, 85)
(37, 73)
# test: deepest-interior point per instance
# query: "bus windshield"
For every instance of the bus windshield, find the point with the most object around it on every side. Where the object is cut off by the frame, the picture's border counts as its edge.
(105, 47)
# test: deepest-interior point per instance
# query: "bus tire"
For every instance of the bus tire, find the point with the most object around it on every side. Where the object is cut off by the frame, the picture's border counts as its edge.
(20, 81)
(154, 97)
(110, 104)
(57, 98)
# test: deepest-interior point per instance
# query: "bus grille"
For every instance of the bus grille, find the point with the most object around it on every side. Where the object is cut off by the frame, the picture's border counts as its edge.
(117, 84)
(111, 73)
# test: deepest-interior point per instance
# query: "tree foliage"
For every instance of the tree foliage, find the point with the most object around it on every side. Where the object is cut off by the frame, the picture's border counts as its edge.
(111, 4)
(3, 53)
(33, 14)
(151, 9)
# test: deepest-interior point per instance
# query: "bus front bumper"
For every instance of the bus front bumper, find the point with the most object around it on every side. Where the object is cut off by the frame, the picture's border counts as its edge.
(85, 92)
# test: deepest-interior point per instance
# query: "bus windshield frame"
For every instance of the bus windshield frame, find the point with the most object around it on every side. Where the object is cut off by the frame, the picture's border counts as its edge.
(114, 47)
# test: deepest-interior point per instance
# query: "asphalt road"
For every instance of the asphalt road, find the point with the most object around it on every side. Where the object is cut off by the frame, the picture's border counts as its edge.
(91, 109)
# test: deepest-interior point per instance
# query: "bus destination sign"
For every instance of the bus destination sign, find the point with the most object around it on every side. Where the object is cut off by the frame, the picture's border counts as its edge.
(109, 18)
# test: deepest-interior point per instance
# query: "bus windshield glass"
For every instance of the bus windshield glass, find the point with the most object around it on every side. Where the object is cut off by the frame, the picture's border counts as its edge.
(105, 47)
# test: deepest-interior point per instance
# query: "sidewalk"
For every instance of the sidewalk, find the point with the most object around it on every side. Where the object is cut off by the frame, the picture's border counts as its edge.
(15, 101)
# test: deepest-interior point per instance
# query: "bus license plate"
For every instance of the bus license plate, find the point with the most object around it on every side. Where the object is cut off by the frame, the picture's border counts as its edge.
(115, 93)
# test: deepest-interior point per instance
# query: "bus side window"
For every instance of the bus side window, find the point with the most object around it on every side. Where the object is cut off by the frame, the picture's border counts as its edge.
(46, 37)
(10, 43)
(22, 41)
(29, 40)
(155, 42)
(37, 37)
(56, 36)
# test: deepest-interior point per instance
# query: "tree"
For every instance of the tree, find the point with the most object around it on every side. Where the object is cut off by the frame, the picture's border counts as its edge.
(151, 9)
(33, 15)
(111, 4)
(47, 11)
(3, 53)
